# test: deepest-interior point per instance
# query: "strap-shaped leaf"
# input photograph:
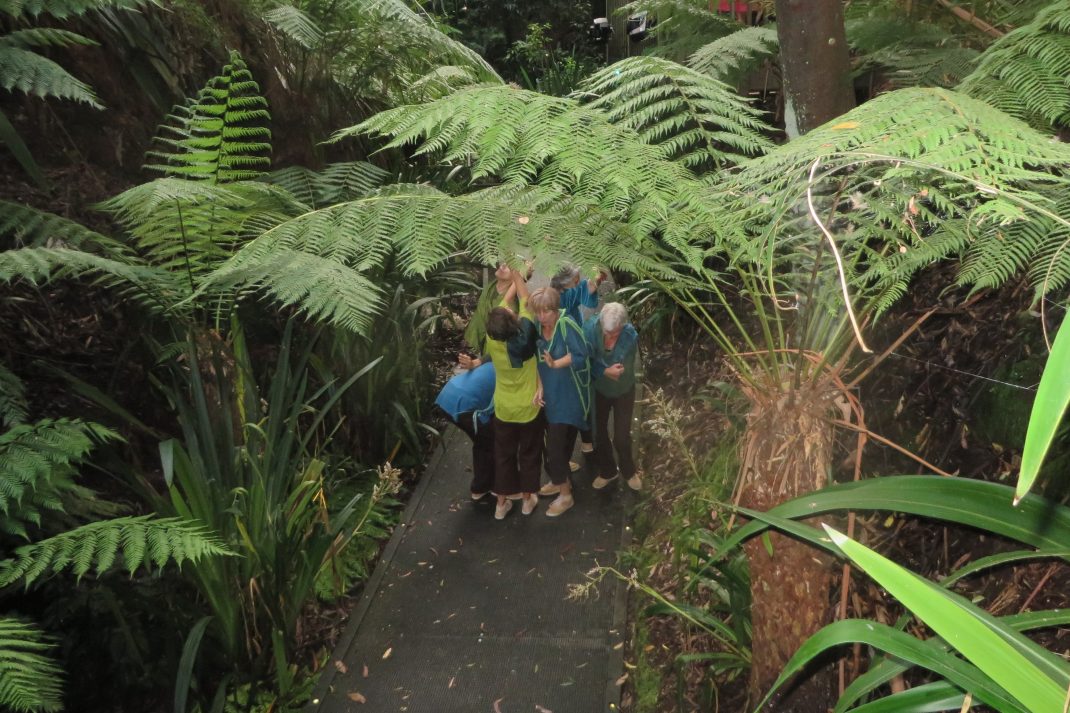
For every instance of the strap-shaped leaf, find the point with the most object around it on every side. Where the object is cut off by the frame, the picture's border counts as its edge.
(1053, 397)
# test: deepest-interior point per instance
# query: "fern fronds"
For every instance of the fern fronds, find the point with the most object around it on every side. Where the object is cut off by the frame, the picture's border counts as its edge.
(682, 25)
(336, 183)
(728, 59)
(1026, 73)
(295, 24)
(439, 82)
(25, 226)
(64, 8)
(134, 542)
(12, 398)
(36, 467)
(30, 679)
(220, 137)
(904, 188)
(34, 74)
(694, 119)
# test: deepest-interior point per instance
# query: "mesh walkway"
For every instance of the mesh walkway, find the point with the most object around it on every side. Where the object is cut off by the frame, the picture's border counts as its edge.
(464, 612)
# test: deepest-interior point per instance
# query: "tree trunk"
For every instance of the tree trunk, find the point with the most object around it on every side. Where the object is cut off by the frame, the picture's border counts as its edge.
(815, 63)
(786, 453)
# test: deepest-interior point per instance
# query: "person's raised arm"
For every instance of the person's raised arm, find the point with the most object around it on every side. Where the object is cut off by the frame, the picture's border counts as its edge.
(521, 285)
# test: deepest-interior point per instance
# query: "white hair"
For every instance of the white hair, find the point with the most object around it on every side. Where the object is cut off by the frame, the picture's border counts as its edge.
(614, 316)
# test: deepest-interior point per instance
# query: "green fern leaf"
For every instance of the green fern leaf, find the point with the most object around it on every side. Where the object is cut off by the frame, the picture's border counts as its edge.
(31, 73)
(1026, 73)
(295, 24)
(728, 59)
(30, 679)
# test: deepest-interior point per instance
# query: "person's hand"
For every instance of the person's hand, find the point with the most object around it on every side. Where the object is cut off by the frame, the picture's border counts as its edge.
(549, 360)
(537, 400)
(468, 362)
(614, 372)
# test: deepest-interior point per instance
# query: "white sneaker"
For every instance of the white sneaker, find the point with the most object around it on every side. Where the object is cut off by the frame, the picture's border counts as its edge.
(601, 482)
(529, 504)
(560, 504)
(502, 509)
(635, 483)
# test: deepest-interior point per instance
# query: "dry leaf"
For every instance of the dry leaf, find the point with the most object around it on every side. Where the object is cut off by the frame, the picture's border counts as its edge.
(386, 654)
(453, 682)
(365, 671)
(523, 220)
(357, 697)
(341, 667)
(622, 679)
(497, 705)
(540, 709)
(846, 125)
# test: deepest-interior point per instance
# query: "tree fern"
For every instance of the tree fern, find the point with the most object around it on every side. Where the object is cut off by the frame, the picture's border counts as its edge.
(25, 226)
(62, 9)
(30, 680)
(26, 71)
(12, 398)
(730, 58)
(131, 542)
(37, 468)
(296, 24)
(219, 137)
(336, 183)
(1026, 73)
(682, 25)
(694, 119)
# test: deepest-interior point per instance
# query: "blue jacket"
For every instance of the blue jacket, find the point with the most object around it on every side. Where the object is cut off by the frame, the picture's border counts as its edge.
(469, 391)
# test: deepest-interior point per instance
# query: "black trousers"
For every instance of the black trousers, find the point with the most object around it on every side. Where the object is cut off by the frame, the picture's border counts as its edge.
(622, 408)
(560, 440)
(517, 456)
(482, 451)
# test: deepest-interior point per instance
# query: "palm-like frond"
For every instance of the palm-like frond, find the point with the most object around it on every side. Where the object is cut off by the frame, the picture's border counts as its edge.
(336, 183)
(30, 680)
(904, 189)
(12, 398)
(134, 541)
(439, 82)
(693, 118)
(730, 58)
(36, 467)
(1026, 73)
(296, 24)
(25, 226)
(26, 71)
(682, 25)
(63, 8)
(220, 137)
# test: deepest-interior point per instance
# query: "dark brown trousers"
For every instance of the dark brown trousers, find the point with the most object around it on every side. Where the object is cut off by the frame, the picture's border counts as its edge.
(517, 456)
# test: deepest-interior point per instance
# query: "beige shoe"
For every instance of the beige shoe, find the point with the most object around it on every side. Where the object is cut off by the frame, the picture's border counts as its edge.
(530, 504)
(601, 482)
(550, 489)
(479, 496)
(586, 447)
(573, 466)
(502, 509)
(635, 483)
(560, 504)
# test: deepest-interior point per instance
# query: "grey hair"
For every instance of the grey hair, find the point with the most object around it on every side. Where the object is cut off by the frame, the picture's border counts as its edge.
(564, 277)
(614, 316)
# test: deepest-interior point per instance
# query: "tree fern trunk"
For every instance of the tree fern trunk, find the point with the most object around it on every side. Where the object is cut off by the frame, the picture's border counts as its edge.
(815, 63)
(786, 452)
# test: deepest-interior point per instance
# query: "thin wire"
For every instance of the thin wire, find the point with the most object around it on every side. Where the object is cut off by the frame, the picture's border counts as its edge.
(967, 373)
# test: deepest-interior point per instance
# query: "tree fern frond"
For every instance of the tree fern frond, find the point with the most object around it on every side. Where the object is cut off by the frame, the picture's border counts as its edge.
(30, 679)
(1026, 73)
(141, 541)
(13, 406)
(682, 25)
(29, 72)
(336, 183)
(440, 81)
(294, 23)
(64, 8)
(728, 59)
(25, 226)
(698, 120)
(45, 37)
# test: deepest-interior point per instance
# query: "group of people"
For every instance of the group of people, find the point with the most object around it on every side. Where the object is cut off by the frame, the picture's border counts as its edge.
(542, 376)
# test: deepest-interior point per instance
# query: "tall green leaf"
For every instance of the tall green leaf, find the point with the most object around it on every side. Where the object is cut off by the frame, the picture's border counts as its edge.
(1053, 397)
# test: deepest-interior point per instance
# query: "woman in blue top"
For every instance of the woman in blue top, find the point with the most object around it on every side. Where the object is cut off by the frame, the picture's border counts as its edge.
(613, 344)
(468, 400)
(566, 390)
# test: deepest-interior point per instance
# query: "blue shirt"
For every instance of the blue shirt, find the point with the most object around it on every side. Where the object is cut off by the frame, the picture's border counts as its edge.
(566, 391)
(574, 297)
(623, 352)
(469, 391)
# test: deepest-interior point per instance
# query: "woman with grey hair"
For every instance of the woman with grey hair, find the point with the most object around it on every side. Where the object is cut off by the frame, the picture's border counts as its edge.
(613, 344)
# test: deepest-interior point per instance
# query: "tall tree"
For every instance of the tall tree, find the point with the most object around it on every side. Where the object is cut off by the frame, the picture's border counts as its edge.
(816, 67)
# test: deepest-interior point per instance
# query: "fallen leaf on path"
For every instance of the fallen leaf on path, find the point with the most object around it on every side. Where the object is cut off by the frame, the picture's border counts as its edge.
(341, 667)
(622, 679)
(540, 709)
(356, 697)
(386, 654)
(453, 682)
(365, 671)
(497, 705)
